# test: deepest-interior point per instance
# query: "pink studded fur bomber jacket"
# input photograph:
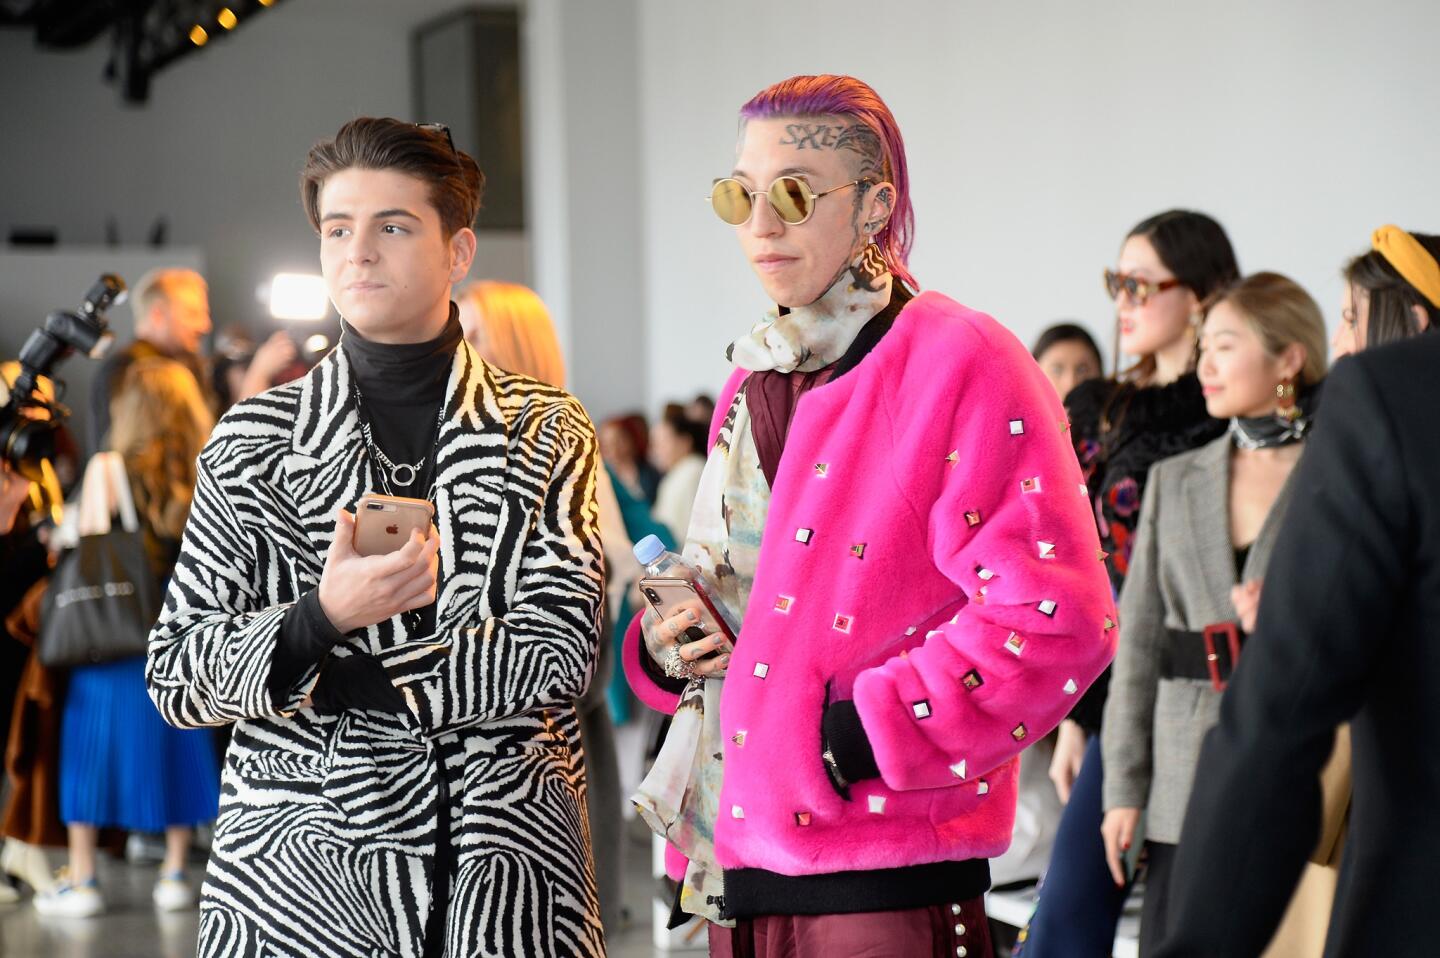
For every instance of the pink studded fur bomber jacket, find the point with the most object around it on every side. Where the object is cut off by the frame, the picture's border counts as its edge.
(930, 554)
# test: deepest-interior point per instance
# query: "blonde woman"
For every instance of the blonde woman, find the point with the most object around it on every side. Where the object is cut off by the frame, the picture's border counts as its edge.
(510, 328)
(121, 766)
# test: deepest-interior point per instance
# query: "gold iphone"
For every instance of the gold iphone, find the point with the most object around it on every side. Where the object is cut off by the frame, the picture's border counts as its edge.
(384, 523)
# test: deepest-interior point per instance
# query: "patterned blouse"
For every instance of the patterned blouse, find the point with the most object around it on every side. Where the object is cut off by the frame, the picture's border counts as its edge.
(1120, 431)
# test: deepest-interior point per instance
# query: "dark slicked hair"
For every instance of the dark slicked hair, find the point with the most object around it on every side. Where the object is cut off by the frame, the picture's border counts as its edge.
(381, 143)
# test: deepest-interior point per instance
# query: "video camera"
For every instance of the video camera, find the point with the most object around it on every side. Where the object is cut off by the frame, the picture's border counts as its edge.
(27, 440)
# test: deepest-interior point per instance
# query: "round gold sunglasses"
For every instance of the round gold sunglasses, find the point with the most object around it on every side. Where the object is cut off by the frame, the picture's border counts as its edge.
(790, 197)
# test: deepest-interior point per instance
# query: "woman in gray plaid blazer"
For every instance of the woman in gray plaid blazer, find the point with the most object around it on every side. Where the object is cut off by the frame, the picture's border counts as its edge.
(1208, 521)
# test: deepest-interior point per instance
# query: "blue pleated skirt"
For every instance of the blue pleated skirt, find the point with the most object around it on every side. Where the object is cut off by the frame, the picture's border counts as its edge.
(121, 766)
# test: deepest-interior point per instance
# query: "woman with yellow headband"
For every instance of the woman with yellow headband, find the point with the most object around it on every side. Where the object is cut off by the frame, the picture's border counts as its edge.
(1391, 292)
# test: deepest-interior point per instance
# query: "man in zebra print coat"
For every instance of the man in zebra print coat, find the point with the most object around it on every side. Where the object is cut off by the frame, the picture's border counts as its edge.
(404, 777)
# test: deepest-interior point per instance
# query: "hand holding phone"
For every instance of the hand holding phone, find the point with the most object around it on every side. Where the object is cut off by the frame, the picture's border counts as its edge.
(358, 590)
(684, 616)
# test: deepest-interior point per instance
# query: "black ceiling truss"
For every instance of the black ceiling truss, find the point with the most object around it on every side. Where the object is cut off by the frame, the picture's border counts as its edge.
(146, 35)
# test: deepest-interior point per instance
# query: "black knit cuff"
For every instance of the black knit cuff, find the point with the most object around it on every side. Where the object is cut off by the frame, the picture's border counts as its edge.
(356, 682)
(657, 675)
(306, 636)
(315, 616)
(845, 737)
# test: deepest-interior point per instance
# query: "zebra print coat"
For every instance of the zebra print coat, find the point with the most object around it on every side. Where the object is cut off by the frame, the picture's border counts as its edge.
(327, 834)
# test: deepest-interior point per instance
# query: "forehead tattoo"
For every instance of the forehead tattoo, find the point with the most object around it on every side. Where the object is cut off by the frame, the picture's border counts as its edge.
(854, 137)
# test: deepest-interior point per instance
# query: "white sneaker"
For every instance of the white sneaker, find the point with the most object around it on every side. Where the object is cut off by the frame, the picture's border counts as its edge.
(8, 894)
(27, 863)
(69, 900)
(173, 893)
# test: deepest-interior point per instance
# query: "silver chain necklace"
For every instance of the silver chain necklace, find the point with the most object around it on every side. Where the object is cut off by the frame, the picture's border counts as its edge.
(401, 474)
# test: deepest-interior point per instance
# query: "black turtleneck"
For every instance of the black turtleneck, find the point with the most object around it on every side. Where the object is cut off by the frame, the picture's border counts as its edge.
(402, 386)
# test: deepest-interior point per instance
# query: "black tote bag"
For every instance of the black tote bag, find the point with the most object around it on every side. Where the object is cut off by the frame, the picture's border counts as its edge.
(103, 597)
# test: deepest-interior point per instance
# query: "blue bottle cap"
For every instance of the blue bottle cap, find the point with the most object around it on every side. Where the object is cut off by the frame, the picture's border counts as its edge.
(648, 549)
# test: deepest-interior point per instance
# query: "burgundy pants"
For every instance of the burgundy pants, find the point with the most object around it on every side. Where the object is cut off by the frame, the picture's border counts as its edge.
(957, 930)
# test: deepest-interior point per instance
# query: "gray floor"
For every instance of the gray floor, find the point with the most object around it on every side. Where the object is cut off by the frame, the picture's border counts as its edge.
(131, 927)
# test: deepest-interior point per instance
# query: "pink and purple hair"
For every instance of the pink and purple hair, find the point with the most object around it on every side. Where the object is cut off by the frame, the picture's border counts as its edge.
(828, 95)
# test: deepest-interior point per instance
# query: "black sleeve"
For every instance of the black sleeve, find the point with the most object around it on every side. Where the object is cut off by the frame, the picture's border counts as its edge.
(846, 738)
(1255, 809)
(101, 390)
(306, 636)
(356, 682)
(1089, 711)
(657, 675)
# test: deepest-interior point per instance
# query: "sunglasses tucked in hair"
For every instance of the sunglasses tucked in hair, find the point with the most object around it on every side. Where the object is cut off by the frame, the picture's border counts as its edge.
(424, 151)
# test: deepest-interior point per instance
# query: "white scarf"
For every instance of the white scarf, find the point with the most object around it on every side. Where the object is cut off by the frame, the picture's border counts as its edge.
(680, 797)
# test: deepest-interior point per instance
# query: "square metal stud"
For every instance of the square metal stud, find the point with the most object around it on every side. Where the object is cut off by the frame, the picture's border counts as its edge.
(1047, 549)
(972, 518)
(1030, 485)
(1018, 733)
(803, 536)
(1047, 607)
(1109, 623)
(1084, 491)
(972, 680)
(1017, 427)
(843, 623)
(822, 469)
(922, 709)
(736, 811)
(911, 631)
(979, 597)
(953, 458)
(802, 819)
(877, 804)
(1070, 687)
(984, 573)
(1064, 425)
(982, 787)
(761, 670)
(1101, 555)
(1015, 644)
(858, 550)
(739, 738)
(958, 769)
(783, 604)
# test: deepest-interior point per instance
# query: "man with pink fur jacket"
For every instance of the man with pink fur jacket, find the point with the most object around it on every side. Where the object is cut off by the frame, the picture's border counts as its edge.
(893, 512)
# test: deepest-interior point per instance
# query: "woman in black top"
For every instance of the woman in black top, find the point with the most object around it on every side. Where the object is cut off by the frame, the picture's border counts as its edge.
(1169, 265)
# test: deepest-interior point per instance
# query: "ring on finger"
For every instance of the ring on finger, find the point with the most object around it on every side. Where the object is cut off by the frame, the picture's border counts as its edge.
(675, 666)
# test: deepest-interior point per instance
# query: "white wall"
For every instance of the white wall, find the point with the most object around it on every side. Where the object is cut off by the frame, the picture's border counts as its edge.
(1038, 133)
(584, 179)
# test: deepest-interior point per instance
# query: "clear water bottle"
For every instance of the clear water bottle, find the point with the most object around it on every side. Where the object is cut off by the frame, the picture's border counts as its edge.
(660, 562)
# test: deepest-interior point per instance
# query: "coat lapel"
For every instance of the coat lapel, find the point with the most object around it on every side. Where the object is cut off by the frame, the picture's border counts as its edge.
(327, 468)
(1207, 515)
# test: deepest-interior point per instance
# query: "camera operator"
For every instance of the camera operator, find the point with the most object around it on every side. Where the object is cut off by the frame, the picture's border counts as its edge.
(172, 318)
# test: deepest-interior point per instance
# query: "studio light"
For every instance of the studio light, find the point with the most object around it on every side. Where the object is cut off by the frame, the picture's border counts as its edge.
(298, 296)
